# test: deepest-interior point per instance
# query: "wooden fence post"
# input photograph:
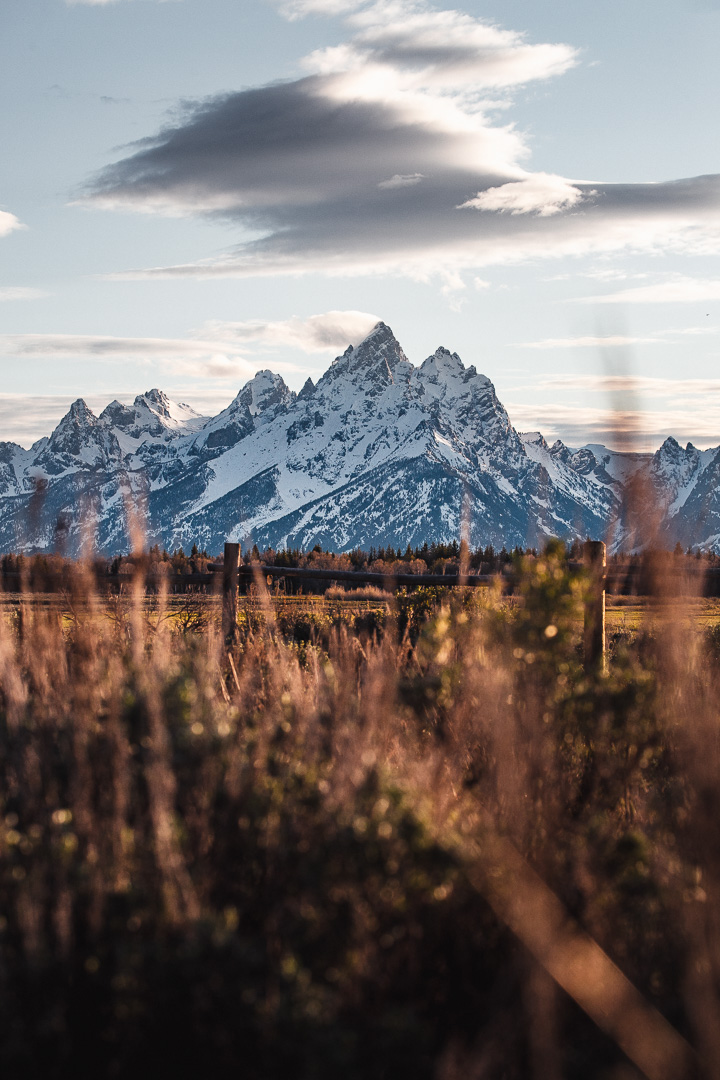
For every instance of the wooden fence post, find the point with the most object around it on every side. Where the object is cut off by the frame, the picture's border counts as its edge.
(231, 561)
(594, 635)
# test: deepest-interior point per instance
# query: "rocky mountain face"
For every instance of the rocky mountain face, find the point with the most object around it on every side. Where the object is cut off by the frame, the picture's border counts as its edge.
(377, 452)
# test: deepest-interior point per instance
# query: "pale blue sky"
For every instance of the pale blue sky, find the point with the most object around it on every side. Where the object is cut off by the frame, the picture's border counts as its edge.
(425, 171)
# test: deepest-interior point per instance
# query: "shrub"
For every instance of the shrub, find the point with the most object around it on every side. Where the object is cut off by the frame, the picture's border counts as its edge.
(265, 863)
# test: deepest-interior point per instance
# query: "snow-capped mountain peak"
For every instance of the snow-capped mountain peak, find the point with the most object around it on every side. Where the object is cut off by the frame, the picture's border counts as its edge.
(263, 392)
(78, 415)
(78, 441)
(376, 452)
(374, 360)
(173, 415)
(74, 430)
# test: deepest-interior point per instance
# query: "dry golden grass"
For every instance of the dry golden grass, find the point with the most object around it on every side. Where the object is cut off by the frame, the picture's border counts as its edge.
(425, 845)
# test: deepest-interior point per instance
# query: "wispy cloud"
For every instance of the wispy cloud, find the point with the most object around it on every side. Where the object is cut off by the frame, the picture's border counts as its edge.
(98, 347)
(398, 181)
(600, 273)
(650, 385)
(389, 157)
(20, 292)
(330, 332)
(622, 411)
(641, 429)
(588, 342)
(186, 356)
(9, 223)
(217, 350)
(297, 9)
(678, 290)
(101, 3)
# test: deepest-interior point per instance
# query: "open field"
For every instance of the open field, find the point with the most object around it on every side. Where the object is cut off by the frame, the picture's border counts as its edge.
(625, 615)
(631, 613)
(367, 839)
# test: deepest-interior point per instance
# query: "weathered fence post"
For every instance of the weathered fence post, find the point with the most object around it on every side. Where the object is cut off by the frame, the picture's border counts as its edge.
(231, 561)
(594, 636)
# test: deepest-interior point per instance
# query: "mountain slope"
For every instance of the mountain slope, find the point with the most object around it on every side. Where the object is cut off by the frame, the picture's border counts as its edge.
(377, 452)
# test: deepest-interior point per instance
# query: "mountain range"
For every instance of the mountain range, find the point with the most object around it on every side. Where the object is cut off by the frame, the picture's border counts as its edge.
(377, 452)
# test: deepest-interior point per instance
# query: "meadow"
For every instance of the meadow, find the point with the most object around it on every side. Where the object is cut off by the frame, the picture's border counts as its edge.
(372, 838)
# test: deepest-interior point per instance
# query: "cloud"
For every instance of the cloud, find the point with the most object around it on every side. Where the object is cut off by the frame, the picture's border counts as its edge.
(651, 385)
(86, 346)
(9, 223)
(611, 273)
(99, 3)
(636, 429)
(398, 181)
(663, 337)
(539, 194)
(679, 290)
(411, 44)
(297, 9)
(20, 292)
(216, 350)
(640, 413)
(176, 355)
(331, 332)
(589, 342)
(388, 157)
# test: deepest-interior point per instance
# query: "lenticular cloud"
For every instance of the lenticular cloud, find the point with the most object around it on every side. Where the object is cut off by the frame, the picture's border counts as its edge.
(389, 155)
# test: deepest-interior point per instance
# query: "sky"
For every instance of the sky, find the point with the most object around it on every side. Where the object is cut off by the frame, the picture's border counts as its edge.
(194, 190)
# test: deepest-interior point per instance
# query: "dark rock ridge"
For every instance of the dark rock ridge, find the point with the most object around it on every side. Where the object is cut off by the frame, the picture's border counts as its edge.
(377, 452)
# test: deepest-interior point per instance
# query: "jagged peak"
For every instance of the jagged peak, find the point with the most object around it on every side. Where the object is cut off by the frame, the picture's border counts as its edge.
(564, 453)
(444, 355)
(670, 448)
(378, 354)
(380, 339)
(78, 415)
(115, 411)
(78, 430)
(380, 332)
(308, 389)
(80, 408)
(155, 400)
(262, 391)
(265, 375)
(443, 365)
(157, 397)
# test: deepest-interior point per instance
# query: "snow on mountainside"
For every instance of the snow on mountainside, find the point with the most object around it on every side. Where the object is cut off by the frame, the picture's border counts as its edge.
(151, 418)
(621, 465)
(378, 451)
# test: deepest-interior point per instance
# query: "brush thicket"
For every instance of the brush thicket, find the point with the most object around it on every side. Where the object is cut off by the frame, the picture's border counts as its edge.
(260, 862)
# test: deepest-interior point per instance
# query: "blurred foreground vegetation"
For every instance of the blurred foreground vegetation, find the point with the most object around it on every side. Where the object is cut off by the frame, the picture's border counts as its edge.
(262, 862)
